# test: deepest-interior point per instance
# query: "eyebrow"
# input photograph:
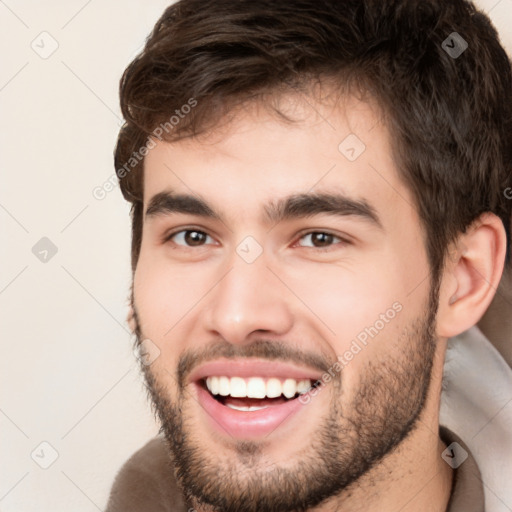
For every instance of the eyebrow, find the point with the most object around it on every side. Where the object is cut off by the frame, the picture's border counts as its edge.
(310, 204)
(292, 207)
(165, 203)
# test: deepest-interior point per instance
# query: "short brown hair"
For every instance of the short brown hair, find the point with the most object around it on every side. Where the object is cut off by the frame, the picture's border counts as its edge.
(450, 116)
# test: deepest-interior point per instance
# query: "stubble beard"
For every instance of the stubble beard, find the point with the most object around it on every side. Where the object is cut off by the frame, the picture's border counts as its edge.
(347, 441)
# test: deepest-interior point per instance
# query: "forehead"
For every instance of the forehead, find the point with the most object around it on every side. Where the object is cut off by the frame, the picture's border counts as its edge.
(256, 157)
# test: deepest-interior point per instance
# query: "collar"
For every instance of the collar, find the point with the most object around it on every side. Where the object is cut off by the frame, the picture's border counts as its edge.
(476, 406)
(467, 493)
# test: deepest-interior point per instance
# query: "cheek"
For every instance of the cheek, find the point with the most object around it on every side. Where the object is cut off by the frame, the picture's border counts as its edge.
(365, 307)
(164, 294)
(348, 298)
(164, 297)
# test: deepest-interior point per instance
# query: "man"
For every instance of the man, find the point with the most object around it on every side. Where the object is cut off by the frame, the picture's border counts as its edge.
(319, 204)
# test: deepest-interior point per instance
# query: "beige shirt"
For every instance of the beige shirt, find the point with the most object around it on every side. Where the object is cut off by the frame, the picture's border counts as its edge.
(467, 488)
(146, 482)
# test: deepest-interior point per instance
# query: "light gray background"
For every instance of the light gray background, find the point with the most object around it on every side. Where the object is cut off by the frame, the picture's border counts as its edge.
(68, 376)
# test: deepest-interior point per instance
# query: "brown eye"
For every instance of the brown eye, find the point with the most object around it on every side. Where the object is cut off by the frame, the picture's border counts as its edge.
(319, 239)
(189, 237)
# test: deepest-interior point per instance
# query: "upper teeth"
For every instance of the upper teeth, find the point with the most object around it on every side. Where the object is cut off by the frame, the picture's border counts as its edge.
(256, 387)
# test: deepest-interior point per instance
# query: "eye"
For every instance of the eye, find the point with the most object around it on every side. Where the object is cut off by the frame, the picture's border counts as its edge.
(320, 239)
(189, 237)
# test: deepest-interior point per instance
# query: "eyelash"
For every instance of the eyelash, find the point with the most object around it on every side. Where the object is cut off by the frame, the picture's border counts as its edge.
(343, 241)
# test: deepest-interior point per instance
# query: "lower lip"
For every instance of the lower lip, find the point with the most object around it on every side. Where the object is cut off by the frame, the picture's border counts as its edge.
(246, 424)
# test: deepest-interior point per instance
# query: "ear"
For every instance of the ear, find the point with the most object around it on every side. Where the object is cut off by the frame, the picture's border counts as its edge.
(471, 275)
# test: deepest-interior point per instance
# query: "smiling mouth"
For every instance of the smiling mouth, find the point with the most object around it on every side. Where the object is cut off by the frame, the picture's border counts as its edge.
(254, 393)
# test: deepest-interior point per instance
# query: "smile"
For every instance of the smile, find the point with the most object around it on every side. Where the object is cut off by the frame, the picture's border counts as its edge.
(251, 399)
(256, 387)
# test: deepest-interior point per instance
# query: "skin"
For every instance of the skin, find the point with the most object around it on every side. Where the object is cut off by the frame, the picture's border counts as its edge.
(316, 300)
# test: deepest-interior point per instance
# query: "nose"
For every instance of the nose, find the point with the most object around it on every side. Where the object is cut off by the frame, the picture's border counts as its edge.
(248, 298)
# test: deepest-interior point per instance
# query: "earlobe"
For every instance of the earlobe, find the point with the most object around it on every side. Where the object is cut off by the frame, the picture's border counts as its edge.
(471, 276)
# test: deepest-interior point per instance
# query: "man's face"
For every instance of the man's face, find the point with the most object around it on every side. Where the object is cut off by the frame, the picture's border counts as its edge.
(306, 265)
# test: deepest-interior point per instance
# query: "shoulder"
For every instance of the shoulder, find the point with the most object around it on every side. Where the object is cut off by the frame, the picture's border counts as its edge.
(146, 482)
(476, 406)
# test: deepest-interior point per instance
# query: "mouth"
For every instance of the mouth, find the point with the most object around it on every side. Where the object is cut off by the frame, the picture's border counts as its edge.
(254, 393)
(251, 400)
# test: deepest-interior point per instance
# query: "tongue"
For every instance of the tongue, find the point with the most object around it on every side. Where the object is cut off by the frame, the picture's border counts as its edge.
(248, 402)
